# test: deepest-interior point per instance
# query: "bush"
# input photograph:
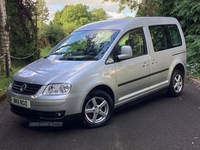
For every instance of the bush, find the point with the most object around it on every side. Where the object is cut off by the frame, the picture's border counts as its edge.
(51, 34)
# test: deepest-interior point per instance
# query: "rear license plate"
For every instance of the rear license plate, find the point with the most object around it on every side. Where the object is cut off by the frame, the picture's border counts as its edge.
(21, 102)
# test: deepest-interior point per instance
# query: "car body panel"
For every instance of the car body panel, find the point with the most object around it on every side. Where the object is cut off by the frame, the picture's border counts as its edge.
(126, 80)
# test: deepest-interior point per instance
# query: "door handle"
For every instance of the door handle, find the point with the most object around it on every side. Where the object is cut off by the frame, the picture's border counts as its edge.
(154, 62)
(145, 64)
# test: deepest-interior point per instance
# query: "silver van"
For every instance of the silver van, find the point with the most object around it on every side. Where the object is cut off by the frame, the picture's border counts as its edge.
(99, 67)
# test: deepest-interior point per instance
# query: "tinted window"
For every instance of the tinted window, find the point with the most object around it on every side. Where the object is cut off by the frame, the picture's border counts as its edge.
(159, 37)
(165, 37)
(174, 35)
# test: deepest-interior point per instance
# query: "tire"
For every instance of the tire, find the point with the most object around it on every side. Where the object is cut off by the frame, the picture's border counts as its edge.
(97, 109)
(176, 83)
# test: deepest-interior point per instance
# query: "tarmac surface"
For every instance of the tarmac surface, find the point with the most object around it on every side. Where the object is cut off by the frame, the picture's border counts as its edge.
(158, 123)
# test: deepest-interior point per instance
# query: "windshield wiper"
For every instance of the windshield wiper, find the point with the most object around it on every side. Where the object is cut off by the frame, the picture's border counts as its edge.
(58, 53)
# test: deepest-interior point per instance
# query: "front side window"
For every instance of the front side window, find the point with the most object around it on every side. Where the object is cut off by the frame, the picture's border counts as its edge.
(84, 45)
(135, 39)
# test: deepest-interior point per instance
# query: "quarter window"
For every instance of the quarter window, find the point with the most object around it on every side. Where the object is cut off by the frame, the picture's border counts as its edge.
(174, 35)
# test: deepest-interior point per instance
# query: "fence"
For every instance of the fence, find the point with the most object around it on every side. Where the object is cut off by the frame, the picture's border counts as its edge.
(6, 61)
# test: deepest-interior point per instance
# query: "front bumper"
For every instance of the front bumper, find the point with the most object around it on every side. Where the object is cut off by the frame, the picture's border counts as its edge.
(37, 115)
(48, 108)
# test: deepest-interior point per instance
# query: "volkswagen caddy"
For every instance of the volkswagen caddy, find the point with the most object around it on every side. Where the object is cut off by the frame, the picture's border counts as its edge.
(99, 67)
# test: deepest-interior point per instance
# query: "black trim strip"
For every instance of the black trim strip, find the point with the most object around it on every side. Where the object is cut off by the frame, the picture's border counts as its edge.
(179, 53)
(127, 82)
(159, 72)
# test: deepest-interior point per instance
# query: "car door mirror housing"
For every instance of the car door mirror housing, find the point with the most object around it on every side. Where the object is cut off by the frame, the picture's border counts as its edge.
(126, 52)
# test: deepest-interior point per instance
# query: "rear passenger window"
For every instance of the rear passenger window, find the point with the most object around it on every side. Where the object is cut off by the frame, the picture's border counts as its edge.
(159, 37)
(165, 37)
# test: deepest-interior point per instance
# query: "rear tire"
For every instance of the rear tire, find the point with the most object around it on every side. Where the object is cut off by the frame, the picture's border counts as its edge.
(176, 83)
(97, 109)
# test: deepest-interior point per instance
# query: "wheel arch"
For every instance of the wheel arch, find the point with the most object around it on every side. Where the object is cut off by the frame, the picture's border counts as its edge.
(181, 68)
(106, 89)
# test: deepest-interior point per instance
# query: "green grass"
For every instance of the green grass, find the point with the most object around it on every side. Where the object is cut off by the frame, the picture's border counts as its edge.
(44, 51)
(5, 81)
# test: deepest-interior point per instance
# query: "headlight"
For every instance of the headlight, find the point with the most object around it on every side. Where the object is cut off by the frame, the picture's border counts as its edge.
(58, 89)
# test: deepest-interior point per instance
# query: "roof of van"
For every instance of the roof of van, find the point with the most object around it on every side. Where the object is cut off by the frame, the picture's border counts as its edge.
(121, 23)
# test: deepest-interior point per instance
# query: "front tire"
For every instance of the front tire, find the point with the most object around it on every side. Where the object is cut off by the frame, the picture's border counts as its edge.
(97, 109)
(176, 83)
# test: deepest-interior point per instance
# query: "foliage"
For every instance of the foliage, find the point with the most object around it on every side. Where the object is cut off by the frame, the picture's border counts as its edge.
(187, 12)
(148, 8)
(132, 4)
(50, 35)
(73, 16)
(98, 14)
(22, 28)
(193, 69)
(42, 13)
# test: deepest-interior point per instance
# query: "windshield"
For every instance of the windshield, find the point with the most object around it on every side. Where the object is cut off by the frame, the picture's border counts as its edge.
(84, 45)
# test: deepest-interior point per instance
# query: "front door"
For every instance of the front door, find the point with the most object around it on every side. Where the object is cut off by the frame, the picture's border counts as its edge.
(133, 74)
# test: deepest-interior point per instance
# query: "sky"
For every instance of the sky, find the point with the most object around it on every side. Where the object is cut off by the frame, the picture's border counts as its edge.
(109, 7)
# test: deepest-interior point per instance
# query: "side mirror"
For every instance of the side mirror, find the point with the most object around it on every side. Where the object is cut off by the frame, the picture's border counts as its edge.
(126, 52)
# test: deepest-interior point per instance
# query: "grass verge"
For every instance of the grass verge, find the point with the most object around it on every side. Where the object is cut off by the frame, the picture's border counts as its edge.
(5, 81)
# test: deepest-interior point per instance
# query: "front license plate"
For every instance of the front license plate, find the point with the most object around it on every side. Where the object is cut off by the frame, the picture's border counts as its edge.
(21, 102)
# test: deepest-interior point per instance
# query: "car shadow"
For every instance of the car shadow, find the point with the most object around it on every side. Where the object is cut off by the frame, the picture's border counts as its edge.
(142, 102)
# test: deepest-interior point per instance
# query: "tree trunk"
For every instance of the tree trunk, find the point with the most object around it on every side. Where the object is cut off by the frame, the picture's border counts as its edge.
(4, 37)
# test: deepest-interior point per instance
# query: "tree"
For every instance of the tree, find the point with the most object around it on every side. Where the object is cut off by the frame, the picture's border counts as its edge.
(148, 8)
(42, 13)
(50, 35)
(99, 14)
(143, 7)
(74, 16)
(188, 14)
(4, 36)
(132, 4)
(22, 28)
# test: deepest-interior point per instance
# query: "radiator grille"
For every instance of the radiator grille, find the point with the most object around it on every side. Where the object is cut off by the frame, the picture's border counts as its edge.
(25, 88)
